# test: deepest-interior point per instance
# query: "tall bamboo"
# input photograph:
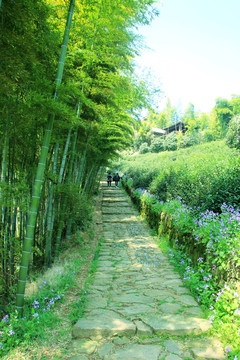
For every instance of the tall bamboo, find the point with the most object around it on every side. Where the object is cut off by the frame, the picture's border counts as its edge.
(50, 213)
(73, 154)
(64, 203)
(64, 156)
(27, 246)
(3, 218)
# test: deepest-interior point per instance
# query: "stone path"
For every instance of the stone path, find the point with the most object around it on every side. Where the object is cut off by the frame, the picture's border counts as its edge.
(137, 306)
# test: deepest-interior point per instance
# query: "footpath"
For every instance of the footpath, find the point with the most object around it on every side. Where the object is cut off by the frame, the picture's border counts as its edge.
(137, 307)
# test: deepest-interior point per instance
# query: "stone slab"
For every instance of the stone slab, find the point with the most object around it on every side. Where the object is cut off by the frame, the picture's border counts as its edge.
(132, 299)
(105, 349)
(142, 329)
(84, 346)
(188, 300)
(136, 309)
(95, 303)
(173, 346)
(159, 294)
(207, 349)
(176, 324)
(173, 357)
(104, 323)
(169, 308)
(136, 352)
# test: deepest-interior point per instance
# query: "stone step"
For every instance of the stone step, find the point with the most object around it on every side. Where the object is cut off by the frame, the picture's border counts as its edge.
(113, 193)
(114, 199)
(123, 203)
(118, 211)
(119, 218)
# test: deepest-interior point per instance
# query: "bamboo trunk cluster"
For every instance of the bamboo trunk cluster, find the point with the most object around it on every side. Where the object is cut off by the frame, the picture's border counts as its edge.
(28, 241)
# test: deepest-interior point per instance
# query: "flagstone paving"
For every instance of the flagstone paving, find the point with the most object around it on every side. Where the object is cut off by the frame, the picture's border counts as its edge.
(137, 307)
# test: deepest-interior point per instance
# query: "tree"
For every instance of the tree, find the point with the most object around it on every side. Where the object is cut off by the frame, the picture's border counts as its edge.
(224, 112)
(189, 118)
(235, 104)
(233, 134)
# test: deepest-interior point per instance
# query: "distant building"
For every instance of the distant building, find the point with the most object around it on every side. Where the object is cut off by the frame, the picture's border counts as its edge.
(179, 126)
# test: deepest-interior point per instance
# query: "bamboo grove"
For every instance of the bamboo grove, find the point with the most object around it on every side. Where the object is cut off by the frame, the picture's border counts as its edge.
(69, 101)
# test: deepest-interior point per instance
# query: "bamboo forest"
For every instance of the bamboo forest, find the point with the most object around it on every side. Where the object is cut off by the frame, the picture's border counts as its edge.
(80, 276)
(63, 116)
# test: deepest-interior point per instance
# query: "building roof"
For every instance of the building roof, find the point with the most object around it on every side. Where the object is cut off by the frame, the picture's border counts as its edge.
(158, 131)
(176, 127)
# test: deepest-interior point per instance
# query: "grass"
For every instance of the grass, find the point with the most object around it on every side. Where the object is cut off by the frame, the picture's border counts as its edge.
(48, 335)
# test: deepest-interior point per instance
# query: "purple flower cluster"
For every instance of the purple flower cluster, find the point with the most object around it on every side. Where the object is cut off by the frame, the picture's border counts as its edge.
(5, 318)
(140, 191)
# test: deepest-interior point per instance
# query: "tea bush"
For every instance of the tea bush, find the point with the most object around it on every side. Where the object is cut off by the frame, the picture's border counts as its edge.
(204, 176)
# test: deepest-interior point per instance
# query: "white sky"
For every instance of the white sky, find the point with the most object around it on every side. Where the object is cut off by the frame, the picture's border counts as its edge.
(195, 51)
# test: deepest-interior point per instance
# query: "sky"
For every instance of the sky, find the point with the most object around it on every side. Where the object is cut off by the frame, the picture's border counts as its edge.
(194, 52)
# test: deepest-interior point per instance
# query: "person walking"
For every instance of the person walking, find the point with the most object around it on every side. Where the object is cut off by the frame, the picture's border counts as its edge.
(116, 178)
(109, 179)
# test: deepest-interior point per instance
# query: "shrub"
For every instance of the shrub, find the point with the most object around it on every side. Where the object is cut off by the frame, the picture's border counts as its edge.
(144, 148)
(190, 140)
(170, 142)
(157, 145)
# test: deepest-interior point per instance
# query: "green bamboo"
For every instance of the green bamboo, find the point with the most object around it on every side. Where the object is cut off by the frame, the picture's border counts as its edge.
(70, 218)
(64, 204)
(27, 246)
(3, 175)
(60, 177)
(82, 164)
(92, 182)
(12, 244)
(69, 227)
(50, 214)
(4, 210)
(88, 178)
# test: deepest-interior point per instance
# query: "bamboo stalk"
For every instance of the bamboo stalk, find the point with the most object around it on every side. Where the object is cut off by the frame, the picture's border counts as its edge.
(69, 222)
(64, 205)
(50, 214)
(12, 244)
